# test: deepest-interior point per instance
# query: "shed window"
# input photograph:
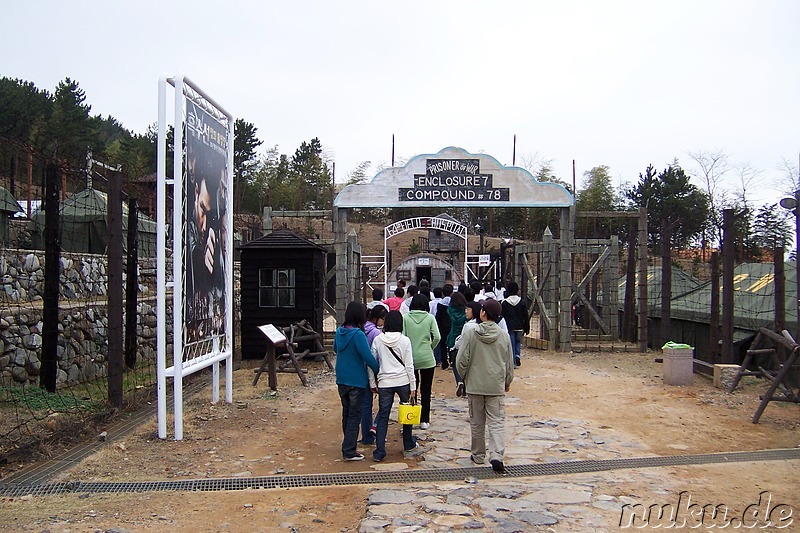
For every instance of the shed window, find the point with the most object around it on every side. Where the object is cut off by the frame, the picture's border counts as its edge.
(276, 287)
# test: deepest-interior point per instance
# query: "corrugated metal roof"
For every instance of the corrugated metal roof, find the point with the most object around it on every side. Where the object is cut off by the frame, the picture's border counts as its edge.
(281, 239)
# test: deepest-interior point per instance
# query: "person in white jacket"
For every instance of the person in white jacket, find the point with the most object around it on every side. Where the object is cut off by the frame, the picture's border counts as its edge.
(392, 350)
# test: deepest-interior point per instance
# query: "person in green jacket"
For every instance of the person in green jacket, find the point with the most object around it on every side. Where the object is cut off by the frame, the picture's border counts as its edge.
(420, 326)
(486, 361)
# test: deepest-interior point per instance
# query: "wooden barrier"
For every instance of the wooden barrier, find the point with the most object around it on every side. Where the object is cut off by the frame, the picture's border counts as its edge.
(290, 337)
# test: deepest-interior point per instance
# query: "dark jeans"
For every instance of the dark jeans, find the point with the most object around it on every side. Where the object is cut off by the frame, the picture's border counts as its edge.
(385, 401)
(352, 405)
(453, 352)
(516, 342)
(366, 419)
(424, 385)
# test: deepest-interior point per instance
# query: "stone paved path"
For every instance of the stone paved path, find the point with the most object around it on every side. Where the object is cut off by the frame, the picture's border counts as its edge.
(587, 502)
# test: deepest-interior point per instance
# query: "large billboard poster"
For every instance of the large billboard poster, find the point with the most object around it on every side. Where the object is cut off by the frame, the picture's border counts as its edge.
(206, 235)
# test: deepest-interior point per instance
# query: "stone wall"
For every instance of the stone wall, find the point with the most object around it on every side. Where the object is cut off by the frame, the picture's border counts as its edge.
(83, 317)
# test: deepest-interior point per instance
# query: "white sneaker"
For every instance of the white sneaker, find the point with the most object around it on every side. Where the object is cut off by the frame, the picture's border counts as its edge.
(424, 425)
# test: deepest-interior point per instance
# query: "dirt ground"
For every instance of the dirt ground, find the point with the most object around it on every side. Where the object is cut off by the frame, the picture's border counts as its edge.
(297, 431)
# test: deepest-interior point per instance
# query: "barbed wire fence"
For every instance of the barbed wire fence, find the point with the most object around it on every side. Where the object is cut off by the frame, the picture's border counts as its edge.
(681, 299)
(61, 390)
(33, 414)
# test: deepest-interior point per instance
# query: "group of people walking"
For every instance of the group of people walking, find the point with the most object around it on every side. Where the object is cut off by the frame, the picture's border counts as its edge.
(392, 348)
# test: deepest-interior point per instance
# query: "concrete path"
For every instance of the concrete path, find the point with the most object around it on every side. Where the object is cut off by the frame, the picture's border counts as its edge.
(577, 502)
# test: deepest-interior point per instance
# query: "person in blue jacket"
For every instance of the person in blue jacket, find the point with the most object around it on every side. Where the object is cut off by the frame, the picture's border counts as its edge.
(353, 355)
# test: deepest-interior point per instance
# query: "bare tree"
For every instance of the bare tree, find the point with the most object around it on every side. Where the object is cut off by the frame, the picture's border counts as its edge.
(532, 162)
(790, 182)
(711, 169)
(748, 177)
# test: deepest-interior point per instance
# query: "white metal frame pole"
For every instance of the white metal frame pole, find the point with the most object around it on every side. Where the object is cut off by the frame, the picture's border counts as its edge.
(229, 289)
(386, 264)
(161, 260)
(177, 259)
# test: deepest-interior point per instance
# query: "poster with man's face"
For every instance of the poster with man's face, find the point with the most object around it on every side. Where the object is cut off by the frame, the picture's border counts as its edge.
(205, 234)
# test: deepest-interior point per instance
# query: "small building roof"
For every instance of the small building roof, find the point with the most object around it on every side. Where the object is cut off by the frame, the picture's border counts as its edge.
(281, 238)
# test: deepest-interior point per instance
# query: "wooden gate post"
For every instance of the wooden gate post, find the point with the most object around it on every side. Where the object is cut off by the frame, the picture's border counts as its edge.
(728, 260)
(642, 245)
(714, 331)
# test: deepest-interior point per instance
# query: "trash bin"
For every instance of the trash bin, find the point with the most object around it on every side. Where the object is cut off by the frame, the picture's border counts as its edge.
(678, 364)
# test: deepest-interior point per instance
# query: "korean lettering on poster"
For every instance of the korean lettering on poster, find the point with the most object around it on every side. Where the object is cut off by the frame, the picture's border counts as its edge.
(206, 235)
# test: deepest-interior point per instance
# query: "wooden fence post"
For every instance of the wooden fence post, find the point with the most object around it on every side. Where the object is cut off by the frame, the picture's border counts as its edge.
(132, 284)
(52, 264)
(115, 337)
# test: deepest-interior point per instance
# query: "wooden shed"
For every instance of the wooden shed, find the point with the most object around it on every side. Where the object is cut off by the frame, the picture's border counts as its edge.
(282, 282)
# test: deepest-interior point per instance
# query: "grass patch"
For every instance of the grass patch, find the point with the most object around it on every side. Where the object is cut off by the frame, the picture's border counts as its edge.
(39, 399)
(87, 396)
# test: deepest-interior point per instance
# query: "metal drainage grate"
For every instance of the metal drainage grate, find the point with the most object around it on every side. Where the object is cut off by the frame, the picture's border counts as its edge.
(398, 478)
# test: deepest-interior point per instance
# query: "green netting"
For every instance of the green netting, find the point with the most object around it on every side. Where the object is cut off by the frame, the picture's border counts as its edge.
(753, 296)
(8, 204)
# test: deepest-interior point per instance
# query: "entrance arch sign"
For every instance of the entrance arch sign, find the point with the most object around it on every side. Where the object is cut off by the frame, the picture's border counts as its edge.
(455, 178)
(401, 226)
(450, 226)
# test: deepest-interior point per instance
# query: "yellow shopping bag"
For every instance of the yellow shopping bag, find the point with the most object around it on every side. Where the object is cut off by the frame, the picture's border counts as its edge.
(409, 414)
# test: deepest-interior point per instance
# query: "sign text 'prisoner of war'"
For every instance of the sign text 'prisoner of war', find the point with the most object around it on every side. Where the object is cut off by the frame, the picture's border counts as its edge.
(453, 180)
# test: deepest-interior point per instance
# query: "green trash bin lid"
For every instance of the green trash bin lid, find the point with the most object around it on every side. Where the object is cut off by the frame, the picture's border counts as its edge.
(676, 346)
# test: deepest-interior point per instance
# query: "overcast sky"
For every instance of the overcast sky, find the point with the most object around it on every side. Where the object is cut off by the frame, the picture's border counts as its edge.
(622, 84)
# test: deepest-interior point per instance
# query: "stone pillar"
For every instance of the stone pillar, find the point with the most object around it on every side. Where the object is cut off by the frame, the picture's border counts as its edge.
(340, 247)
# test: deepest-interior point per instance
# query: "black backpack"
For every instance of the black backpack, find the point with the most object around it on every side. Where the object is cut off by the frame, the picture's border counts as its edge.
(443, 322)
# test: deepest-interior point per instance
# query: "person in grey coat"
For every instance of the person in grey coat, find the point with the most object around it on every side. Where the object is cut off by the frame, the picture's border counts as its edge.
(485, 360)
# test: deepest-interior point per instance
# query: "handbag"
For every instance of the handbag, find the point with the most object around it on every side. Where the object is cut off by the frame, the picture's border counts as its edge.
(409, 414)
